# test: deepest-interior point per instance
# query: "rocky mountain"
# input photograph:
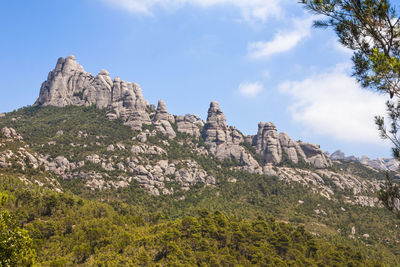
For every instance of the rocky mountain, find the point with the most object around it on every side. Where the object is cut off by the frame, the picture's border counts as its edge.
(70, 84)
(384, 164)
(95, 165)
(149, 163)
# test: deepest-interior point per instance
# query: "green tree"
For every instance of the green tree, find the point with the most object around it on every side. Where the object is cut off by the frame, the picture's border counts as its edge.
(371, 28)
(15, 243)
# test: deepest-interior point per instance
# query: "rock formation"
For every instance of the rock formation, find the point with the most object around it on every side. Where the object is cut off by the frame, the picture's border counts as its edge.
(267, 143)
(189, 124)
(338, 155)
(385, 164)
(274, 148)
(70, 84)
(315, 156)
(224, 141)
(292, 149)
(162, 120)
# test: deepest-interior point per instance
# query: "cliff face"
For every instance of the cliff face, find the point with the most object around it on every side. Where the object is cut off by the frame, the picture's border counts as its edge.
(70, 84)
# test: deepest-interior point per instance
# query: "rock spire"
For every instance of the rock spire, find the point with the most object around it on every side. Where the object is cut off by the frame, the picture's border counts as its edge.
(70, 84)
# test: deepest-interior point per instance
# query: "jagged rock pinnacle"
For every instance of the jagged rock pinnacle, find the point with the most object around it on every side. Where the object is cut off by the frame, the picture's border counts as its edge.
(70, 84)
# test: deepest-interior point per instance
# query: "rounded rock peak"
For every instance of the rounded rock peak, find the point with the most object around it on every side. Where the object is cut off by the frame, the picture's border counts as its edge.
(60, 60)
(117, 79)
(161, 106)
(104, 72)
(270, 125)
(260, 125)
(214, 104)
(71, 57)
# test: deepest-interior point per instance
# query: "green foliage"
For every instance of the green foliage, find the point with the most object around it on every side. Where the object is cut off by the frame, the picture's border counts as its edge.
(390, 196)
(15, 243)
(128, 226)
(371, 28)
(78, 231)
(81, 136)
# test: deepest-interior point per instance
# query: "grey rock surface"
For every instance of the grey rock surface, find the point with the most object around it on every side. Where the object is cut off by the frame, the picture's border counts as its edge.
(189, 124)
(273, 147)
(70, 84)
(162, 120)
(267, 143)
(10, 133)
(338, 155)
(385, 164)
(224, 141)
(315, 156)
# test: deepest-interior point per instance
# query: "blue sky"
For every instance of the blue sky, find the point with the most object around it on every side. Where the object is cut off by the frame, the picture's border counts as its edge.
(260, 59)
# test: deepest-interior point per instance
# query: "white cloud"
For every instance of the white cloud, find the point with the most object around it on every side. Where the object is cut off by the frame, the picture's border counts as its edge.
(250, 89)
(341, 48)
(259, 10)
(333, 104)
(283, 41)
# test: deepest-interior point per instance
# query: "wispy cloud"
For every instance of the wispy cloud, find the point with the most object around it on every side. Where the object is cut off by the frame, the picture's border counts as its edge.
(283, 41)
(340, 48)
(252, 10)
(250, 89)
(333, 104)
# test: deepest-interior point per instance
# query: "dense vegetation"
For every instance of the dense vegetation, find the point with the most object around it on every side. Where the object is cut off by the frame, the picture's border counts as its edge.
(68, 230)
(245, 219)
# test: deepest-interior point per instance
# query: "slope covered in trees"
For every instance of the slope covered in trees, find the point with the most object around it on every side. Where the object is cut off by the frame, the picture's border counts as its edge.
(242, 219)
(69, 230)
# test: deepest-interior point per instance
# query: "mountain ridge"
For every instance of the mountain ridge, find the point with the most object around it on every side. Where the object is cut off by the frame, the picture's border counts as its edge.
(170, 168)
(70, 84)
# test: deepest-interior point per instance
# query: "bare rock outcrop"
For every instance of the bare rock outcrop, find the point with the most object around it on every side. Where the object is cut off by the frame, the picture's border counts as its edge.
(273, 147)
(292, 149)
(224, 141)
(10, 133)
(385, 164)
(267, 143)
(189, 124)
(162, 120)
(70, 84)
(315, 156)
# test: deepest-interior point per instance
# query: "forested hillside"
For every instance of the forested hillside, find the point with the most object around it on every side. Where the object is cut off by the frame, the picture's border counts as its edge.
(92, 214)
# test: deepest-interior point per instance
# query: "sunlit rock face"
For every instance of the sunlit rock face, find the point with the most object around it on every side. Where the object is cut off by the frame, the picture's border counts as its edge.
(224, 141)
(274, 148)
(69, 84)
(162, 120)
